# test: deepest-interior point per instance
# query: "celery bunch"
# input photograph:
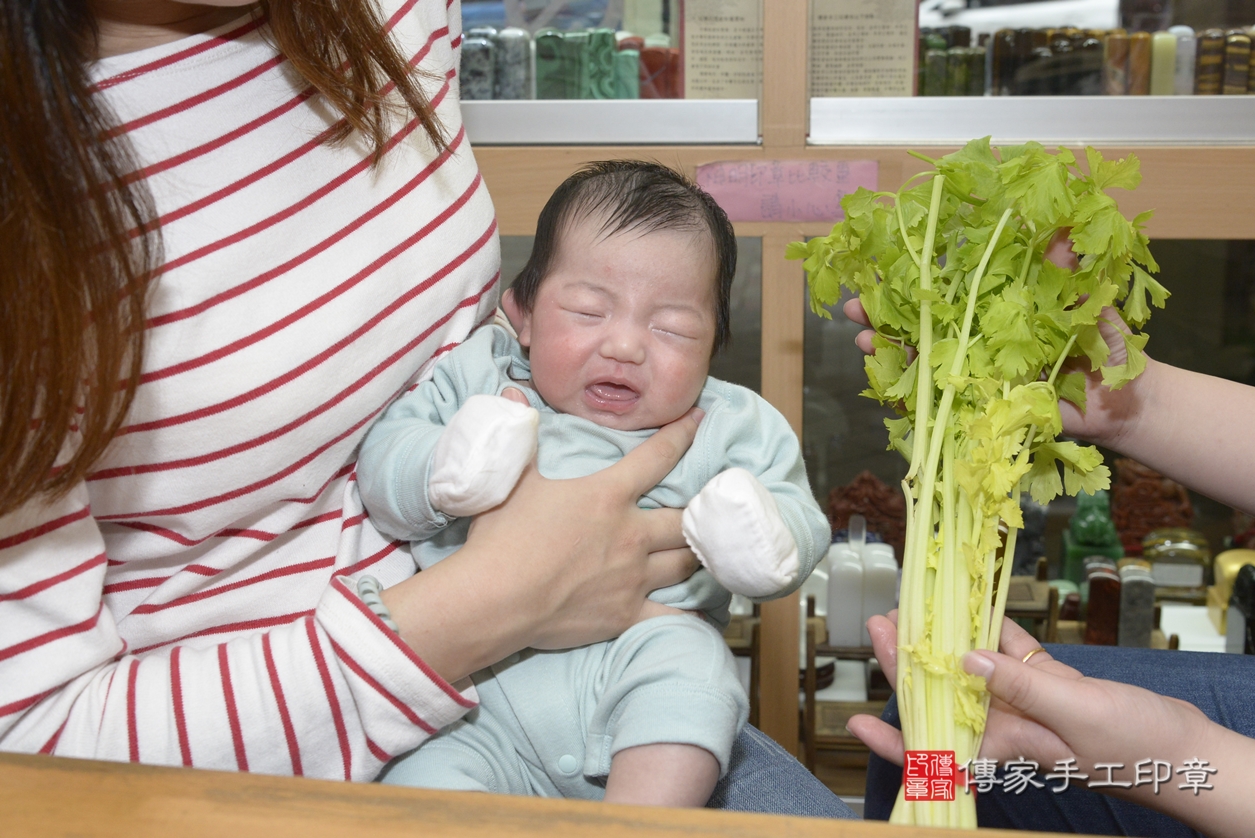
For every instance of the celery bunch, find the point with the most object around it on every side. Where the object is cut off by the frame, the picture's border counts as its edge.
(953, 264)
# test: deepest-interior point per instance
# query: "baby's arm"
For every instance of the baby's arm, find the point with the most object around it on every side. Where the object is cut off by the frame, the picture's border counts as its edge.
(444, 450)
(481, 454)
(734, 527)
(755, 526)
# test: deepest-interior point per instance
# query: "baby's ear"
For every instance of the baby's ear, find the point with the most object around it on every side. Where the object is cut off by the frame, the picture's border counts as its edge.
(518, 318)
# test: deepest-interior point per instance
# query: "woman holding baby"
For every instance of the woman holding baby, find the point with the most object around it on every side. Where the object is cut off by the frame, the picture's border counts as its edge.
(225, 254)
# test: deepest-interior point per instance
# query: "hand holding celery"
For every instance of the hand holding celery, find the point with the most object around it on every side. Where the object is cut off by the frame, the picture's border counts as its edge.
(953, 264)
(1033, 716)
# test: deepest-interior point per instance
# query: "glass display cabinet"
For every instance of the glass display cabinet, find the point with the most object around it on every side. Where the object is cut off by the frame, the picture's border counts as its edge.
(1138, 71)
(809, 85)
(591, 71)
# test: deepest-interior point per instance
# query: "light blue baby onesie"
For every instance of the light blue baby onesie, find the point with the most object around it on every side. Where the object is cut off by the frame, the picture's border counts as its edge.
(548, 723)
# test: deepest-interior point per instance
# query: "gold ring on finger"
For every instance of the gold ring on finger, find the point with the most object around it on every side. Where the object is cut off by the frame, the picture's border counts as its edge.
(1030, 654)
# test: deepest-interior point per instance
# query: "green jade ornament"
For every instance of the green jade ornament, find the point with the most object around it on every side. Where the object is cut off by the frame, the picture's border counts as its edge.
(1091, 532)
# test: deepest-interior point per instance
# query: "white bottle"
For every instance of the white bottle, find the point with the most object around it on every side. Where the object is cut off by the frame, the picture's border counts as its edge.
(816, 585)
(1183, 72)
(880, 584)
(845, 595)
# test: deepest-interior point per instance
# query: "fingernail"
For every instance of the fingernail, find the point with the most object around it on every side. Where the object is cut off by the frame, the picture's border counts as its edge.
(977, 663)
(698, 414)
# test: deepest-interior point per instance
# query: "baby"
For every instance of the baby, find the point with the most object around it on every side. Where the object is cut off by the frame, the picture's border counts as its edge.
(619, 310)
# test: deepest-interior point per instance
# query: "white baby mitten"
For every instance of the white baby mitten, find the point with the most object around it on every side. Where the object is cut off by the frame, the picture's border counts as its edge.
(735, 528)
(481, 454)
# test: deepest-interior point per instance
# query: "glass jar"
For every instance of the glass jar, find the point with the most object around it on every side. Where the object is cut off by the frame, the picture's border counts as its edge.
(1179, 562)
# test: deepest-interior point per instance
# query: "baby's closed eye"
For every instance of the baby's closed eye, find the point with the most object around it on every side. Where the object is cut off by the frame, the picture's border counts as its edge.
(676, 333)
(585, 312)
(679, 325)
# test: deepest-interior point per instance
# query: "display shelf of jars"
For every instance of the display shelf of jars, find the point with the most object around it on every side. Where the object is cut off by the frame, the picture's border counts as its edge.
(1067, 120)
(612, 121)
(698, 83)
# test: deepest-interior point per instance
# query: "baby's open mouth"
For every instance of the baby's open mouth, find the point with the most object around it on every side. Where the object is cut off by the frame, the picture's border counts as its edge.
(611, 395)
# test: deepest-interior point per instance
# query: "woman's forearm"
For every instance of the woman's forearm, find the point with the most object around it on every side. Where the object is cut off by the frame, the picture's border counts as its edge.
(454, 621)
(1223, 806)
(1195, 429)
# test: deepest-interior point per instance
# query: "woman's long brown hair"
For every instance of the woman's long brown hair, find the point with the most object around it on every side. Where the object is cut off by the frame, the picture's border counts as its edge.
(73, 273)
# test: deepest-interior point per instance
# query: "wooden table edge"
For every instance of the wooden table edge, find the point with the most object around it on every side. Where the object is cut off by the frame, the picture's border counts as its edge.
(56, 796)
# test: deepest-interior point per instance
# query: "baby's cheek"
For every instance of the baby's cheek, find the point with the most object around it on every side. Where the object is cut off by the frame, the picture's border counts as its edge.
(684, 384)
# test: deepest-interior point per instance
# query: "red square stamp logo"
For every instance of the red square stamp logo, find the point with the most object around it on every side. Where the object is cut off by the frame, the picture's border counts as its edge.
(929, 775)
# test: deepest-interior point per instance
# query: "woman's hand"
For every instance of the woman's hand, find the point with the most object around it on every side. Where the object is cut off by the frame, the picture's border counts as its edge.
(1034, 711)
(594, 554)
(1110, 415)
(1009, 733)
(853, 309)
(561, 563)
(1048, 712)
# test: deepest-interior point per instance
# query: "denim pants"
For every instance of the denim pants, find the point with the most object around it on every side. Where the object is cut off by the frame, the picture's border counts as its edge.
(1222, 686)
(763, 777)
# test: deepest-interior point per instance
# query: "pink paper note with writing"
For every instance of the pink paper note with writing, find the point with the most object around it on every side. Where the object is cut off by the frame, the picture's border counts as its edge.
(785, 190)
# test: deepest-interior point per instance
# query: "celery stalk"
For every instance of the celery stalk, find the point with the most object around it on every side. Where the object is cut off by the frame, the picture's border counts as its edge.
(954, 265)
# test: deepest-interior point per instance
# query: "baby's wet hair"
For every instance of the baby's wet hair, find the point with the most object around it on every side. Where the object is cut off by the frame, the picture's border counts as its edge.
(638, 196)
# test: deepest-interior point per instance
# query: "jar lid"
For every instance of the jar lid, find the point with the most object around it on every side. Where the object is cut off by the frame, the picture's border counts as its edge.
(1175, 540)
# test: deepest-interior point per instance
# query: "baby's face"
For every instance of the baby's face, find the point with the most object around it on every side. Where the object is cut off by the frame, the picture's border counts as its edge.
(622, 327)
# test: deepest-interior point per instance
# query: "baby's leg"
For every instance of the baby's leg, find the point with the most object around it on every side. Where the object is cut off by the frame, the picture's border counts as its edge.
(472, 754)
(665, 774)
(669, 705)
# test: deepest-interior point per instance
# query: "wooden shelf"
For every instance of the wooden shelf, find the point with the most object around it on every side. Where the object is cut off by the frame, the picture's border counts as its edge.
(1054, 120)
(1197, 192)
(844, 653)
(611, 121)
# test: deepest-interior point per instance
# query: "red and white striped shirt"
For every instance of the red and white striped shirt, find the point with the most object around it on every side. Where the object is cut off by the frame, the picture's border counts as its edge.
(186, 605)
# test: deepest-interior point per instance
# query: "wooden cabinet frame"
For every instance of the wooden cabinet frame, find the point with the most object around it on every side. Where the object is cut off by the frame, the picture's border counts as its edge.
(1196, 192)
